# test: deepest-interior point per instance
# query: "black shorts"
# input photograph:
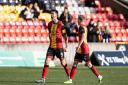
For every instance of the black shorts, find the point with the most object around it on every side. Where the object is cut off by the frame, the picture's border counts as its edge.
(81, 57)
(58, 52)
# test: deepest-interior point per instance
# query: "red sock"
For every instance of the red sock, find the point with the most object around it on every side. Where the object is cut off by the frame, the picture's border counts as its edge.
(73, 72)
(45, 71)
(67, 70)
(94, 70)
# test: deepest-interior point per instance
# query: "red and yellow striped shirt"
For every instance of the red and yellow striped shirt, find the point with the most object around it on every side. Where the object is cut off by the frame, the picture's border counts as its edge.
(55, 32)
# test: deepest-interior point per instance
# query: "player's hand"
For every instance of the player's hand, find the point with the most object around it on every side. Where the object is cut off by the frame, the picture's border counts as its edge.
(65, 49)
(77, 48)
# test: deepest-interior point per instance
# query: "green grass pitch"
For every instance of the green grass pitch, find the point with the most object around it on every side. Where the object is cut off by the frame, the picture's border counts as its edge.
(56, 76)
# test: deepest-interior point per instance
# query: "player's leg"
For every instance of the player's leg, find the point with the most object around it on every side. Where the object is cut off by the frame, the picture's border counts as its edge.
(46, 67)
(73, 70)
(60, 55)
(44, 72)
(93, 68)
(72, 73)
(64, 64)
(74, 67)
(49, 57)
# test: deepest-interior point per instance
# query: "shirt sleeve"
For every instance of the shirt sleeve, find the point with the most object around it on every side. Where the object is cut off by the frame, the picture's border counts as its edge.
(49, 26)
(64, 30)
(82, 30)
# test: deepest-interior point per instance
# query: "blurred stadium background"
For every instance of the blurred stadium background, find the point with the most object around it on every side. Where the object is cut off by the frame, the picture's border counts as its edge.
(23, 43)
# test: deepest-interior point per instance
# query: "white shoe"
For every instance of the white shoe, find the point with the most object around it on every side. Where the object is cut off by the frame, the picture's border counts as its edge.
(100, 78)
(68, 82)
(42, 80)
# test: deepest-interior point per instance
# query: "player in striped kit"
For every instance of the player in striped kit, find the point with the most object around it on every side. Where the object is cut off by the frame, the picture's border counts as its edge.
(56, 34)
(82, 52)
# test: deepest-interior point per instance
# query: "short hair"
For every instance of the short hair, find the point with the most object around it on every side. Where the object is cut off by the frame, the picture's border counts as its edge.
(80, 17)
(54, 11)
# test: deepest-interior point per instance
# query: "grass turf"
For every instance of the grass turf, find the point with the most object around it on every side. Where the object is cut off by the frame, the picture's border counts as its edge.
(56, 76)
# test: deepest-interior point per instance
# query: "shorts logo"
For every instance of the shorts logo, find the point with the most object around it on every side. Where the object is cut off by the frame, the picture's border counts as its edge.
(61, 54)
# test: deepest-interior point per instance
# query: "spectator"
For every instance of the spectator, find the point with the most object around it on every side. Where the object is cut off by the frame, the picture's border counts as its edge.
(29, 13)
(99, 32)
(36, 6)
(66, 18)
(106, 35)
(92, 31)
(73, 29)
(37, 9)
